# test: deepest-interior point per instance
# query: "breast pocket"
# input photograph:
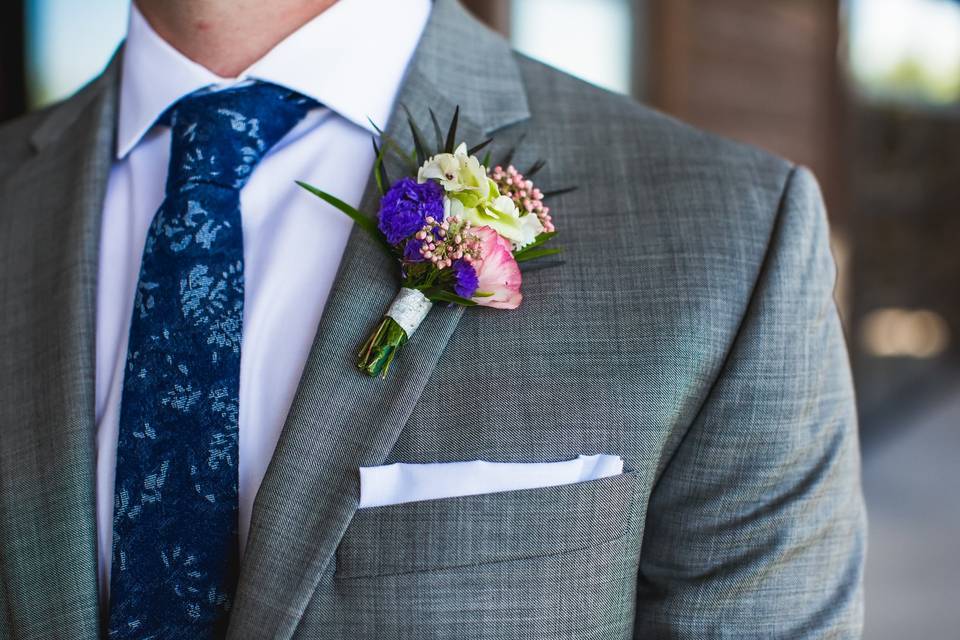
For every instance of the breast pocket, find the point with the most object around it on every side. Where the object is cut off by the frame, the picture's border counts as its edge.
(480, 529)
(555, 562)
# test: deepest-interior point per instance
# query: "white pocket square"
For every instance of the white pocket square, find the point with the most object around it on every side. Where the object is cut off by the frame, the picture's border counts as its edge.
(401, 482)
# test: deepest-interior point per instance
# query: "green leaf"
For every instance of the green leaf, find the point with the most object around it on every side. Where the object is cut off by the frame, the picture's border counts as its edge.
(523, 254)
(379, 169)
(486, 159)
(375, 127)
(482, 294)
(539, 240)
(508, 156)
(440, 295)
(390, 142)
(452, 131)
(363, 221)
(437, 132)
(418, 143)
(376, 171)
(558, 192)
(536, 253)
(532, 171)
(473, 150)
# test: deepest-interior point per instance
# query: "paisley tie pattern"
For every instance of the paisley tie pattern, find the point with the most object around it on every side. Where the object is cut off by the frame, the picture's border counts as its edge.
(175, 549)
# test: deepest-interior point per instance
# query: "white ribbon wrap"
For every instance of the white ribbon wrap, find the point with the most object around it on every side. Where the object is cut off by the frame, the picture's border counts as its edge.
(409, 309)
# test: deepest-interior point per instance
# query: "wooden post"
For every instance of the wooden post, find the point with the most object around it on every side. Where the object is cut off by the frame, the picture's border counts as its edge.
(13, 90)
(764, 72)
(496, 13)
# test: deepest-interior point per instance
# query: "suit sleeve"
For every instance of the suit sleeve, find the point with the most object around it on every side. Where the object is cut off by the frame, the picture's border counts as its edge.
(756, 527)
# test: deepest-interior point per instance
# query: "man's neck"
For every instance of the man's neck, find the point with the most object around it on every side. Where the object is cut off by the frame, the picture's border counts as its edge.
(227, 36)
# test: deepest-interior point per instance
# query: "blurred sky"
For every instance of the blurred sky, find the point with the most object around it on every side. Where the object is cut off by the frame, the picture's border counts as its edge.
(589, 38)
(906, 46)
(69, 42)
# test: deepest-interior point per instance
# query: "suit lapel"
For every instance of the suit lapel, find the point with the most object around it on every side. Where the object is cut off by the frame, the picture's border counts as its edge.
(340, 419)
(47, 503)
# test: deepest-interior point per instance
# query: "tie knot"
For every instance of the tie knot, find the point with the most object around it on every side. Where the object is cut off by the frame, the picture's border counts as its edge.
(218, 137)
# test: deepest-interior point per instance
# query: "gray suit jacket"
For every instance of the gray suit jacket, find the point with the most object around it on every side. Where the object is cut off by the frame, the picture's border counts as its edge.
(690, 330)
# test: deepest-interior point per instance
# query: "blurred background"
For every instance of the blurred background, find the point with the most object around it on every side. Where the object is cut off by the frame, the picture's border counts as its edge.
(865, 92)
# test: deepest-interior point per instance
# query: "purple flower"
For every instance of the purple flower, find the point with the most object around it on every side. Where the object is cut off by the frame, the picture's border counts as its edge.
(411, 252)
(405, 207)
(466, 279)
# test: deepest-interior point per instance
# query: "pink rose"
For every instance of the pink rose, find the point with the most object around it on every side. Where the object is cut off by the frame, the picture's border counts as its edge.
(497, 271)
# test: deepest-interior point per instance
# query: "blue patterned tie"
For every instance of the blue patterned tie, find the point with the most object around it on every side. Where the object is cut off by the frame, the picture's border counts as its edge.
(175, 549)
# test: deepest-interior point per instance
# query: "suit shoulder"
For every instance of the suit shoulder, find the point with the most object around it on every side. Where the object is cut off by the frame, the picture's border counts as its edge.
(18, 135)
(15, 137)
(685, 204)
(643, 141)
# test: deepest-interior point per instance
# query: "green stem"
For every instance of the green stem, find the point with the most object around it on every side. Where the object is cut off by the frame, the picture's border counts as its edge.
(379, 350)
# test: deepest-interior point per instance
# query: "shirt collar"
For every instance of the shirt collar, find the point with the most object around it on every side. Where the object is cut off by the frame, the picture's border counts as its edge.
(330, 59)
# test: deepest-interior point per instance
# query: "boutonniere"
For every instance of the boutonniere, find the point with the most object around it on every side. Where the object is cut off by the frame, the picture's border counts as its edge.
(458, 228)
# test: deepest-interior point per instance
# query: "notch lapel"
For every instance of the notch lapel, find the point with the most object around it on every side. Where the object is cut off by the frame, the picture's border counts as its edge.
(340, 419)
(50, 231)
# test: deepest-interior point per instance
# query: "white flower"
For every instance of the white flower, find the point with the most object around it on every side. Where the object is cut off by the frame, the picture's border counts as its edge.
(503, 216)
(456, 172)
(473, 196)
(531, 227)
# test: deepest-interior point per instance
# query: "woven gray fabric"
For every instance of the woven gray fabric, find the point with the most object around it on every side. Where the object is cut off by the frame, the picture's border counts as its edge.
(691, 329)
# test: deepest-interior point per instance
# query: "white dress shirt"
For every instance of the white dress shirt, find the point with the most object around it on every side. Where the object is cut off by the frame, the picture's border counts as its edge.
(351, 59)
